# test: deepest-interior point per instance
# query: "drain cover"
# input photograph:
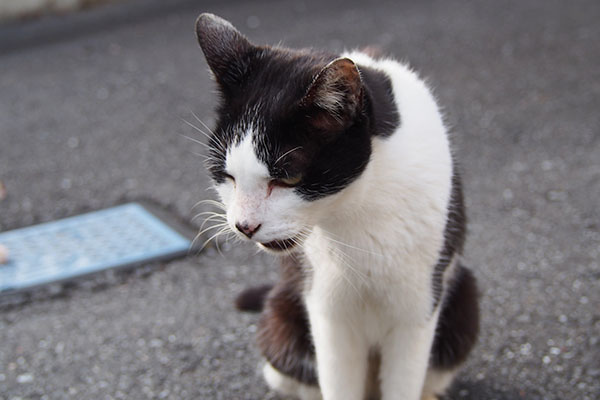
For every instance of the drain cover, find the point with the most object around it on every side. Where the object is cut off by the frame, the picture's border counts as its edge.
(115, 237)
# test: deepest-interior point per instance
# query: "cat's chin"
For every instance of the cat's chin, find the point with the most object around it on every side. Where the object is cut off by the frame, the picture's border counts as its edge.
(278, 246)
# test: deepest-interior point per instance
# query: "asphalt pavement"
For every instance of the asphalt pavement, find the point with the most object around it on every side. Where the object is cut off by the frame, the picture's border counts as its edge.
(92, 110)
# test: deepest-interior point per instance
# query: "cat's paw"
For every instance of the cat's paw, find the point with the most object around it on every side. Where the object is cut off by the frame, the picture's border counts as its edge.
(287, 386)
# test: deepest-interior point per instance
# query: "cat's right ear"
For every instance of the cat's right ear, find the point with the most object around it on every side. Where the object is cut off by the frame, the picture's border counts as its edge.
(225, 49)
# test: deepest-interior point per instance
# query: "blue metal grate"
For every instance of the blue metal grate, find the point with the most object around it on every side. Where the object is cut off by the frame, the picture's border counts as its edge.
(67, 248)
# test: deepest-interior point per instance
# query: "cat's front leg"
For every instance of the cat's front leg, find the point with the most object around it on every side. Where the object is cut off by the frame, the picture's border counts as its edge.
(405, 356)
(341, 358)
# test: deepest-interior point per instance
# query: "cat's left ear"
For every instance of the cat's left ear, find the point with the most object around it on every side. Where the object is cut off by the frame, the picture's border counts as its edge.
(335, 97)
(225, 48)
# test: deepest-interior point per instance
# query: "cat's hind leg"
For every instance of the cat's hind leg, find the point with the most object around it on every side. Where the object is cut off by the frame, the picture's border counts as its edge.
(456, 333)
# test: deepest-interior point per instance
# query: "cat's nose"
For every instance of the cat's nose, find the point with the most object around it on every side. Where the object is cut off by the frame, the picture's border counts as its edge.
(247, 229)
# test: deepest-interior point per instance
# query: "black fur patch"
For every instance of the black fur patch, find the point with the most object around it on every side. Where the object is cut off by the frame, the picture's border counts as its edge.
(454, 236)
(458, 324)
(268, 90)
(253, 299)
(386, 118)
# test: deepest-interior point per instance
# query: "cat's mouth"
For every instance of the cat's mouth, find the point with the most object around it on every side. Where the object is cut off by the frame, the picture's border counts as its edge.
(281, 245)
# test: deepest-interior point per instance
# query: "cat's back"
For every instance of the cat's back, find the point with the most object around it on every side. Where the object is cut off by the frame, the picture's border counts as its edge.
(416, 105)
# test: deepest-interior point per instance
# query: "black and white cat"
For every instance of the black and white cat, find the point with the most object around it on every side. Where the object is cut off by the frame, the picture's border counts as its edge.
(341, 165)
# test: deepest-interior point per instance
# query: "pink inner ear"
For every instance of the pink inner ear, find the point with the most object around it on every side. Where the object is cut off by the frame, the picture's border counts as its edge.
(336, 84)
(270, 189)
(335, 96)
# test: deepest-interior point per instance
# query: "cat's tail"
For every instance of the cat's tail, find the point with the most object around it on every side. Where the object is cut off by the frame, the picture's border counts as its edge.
(253, 299)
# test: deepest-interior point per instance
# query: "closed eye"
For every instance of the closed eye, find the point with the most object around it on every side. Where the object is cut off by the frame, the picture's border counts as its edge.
(286, 182)
(226, 175)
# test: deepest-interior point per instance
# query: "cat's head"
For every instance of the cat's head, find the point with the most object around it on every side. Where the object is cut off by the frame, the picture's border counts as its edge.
(291, 133)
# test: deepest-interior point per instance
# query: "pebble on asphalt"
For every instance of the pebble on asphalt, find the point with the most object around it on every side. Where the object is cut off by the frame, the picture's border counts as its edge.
(3, 254)
(2, 191)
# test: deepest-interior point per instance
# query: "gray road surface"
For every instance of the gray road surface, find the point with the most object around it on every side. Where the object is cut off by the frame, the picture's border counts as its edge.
(90, 115)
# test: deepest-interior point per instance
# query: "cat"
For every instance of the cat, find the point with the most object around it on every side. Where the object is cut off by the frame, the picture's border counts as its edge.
(341, 165)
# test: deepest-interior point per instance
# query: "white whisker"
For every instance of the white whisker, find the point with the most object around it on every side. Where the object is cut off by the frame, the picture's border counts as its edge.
(211, 216)
(221, 225)
(214, 135)
(195, 141)
(202, 122)
(286, 153)
(329, 234)
(214, 237)
(211, 202)
(218, 142)
(345, 260)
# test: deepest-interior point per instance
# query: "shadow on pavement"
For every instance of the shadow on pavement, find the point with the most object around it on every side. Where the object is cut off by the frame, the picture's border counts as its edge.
(489, 390)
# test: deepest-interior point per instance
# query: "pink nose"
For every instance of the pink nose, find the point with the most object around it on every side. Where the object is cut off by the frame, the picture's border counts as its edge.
(247, 229)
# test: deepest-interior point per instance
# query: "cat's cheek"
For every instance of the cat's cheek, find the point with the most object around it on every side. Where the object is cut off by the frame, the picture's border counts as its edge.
(288, 209)
(226, 192)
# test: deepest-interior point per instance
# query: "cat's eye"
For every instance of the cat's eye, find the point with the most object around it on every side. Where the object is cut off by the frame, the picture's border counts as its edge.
(287, 181)
(227, 176)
